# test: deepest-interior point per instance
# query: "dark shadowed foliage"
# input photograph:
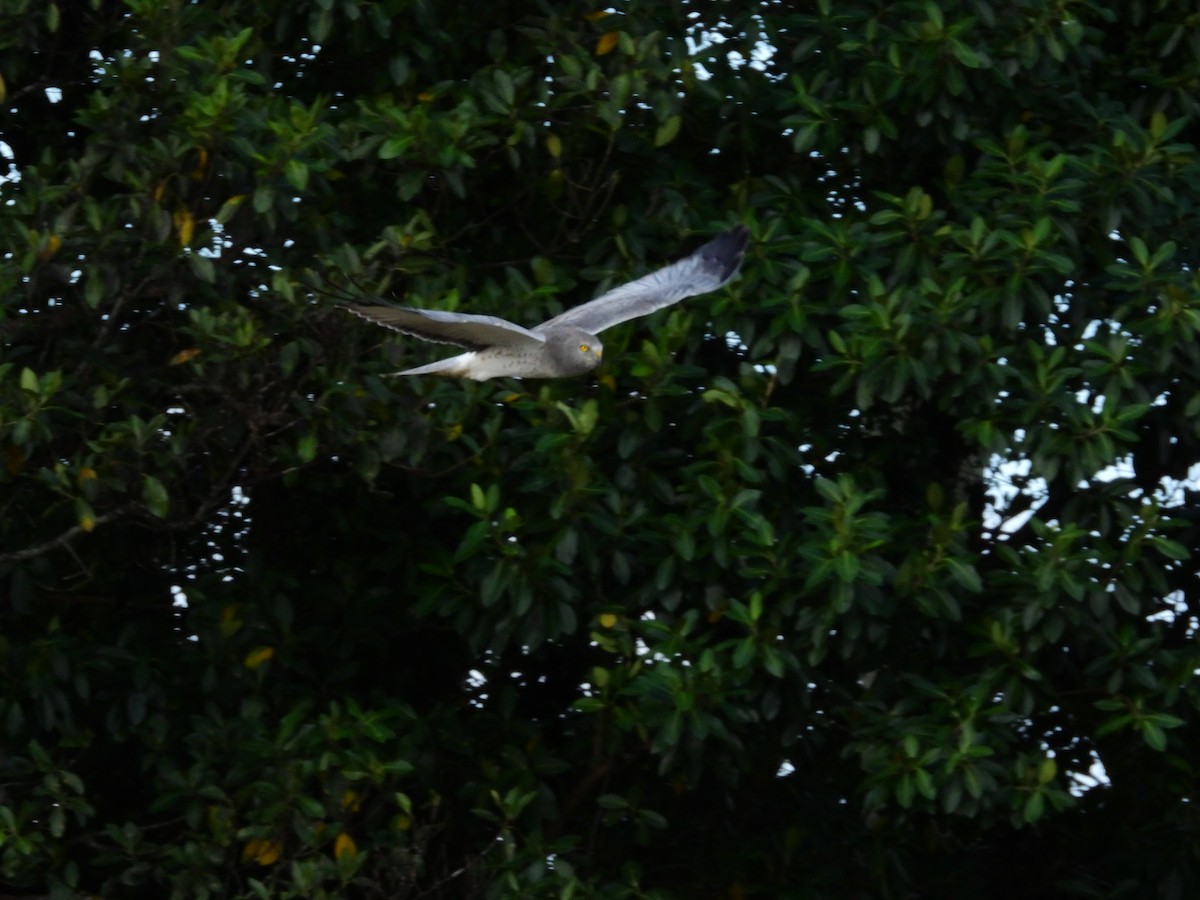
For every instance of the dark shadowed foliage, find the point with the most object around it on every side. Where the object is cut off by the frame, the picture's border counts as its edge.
(865, 576)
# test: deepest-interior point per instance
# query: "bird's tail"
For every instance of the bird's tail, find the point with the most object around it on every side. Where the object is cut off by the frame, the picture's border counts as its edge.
(452, 367)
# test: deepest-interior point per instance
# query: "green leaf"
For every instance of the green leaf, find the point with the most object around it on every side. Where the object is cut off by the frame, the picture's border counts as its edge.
(1140, 253)
(289, 355)
(667, 131)
(1034, 807)
(1153, 735)
(846, 565)
(964, 574)
(504, 87)
(830, 490)
(155, 496)
(296, 173)
(966, 55)
(306, 448)
(398, 146)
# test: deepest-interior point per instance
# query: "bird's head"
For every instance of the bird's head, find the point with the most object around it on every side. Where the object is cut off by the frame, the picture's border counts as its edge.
(592, 348)
(576, 350)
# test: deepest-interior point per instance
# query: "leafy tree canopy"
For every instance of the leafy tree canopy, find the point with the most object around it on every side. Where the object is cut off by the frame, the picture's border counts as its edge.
(866, 576)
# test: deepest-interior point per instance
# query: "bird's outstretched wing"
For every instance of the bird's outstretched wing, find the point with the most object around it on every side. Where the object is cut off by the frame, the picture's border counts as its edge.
(473, 332)
(710, 267)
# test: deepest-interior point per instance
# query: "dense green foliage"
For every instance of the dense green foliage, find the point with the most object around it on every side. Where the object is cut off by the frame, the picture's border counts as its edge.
(734, 617)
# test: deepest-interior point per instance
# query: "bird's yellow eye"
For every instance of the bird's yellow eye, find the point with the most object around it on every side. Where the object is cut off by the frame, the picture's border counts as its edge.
(584, 348)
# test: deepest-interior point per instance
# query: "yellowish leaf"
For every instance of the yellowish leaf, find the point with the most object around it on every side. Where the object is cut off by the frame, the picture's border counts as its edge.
(554, 145)
(401, 822)
(352, 800)
(425, 96)
(87, 473)
(184, 225)
(454, 432)
(262, 851)
(160, 191)
(609, 382)
(201, 164)
(258, 656)
(230, 207)
(3, 89)
(50, 247)
(83, 511)
(220, 819)
(270, 854)
(597, 15)
(607, 620)
(607, 42)
(184, 356)
(554, 183)
(1047, 770)
(345, 846)
(231, 619)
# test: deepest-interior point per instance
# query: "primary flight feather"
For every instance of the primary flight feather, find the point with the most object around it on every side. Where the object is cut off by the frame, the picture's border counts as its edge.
(566, 344)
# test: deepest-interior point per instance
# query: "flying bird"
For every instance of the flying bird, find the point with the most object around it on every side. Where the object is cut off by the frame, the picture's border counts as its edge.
(567, 344)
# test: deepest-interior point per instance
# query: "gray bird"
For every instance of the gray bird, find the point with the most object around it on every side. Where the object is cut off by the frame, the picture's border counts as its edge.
(566, 344)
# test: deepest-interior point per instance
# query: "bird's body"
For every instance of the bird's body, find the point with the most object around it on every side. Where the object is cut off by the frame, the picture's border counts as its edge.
(532, 360)
(566, 344)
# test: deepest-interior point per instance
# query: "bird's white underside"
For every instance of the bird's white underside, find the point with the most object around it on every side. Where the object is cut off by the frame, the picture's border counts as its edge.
(484, 364)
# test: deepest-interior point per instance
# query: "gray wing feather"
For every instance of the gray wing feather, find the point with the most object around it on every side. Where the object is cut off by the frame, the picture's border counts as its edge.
(473, 332)
(710, 267)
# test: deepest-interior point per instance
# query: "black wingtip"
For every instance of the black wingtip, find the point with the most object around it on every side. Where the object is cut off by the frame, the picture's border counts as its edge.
(727, 250)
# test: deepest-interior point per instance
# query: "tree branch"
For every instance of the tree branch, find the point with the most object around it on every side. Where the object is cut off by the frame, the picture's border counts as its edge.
(63, 539)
